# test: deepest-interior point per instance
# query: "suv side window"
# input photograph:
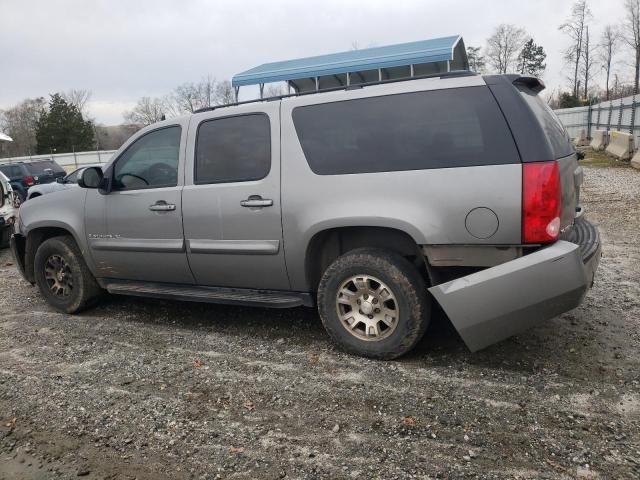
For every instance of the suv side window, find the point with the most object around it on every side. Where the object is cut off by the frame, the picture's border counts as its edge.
(458, 127)
(11, 171)
(233, 149)
(149, 162)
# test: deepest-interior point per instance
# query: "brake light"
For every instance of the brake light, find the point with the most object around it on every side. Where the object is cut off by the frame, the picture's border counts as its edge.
(28, 180)
(541, 202)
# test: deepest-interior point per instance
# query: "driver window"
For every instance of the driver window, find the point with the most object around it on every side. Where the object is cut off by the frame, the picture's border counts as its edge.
(149, 162)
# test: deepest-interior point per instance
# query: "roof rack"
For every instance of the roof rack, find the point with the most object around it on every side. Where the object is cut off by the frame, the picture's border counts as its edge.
(455, 73)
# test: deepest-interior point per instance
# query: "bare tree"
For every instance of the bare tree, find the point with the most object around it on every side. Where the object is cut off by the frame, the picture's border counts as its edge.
(588, 62)
(608, 44)
(275, 90)
(19, 123)
(224, 93)
(189, 97)
(632, 35)
(503, 47)
(574, 28)
(78, 98)
(148, 110)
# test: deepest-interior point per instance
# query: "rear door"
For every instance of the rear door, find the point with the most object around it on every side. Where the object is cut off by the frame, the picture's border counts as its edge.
(231, 199)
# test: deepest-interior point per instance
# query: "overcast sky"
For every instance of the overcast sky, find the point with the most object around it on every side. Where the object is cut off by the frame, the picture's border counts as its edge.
(123, 50)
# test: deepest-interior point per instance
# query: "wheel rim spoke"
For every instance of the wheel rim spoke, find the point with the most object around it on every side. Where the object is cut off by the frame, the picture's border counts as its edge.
(367, 307)
(58, 276)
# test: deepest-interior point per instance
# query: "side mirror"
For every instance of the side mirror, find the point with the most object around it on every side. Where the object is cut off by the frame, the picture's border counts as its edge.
(90, 177)
(60, 179)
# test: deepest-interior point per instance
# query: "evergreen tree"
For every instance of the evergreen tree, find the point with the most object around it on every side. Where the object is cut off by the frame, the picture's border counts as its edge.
(61, 129)
(476, 60)
(531, 59)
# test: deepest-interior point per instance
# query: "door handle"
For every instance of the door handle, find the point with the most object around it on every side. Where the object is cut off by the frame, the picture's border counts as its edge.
(162, 206)
(256, 201)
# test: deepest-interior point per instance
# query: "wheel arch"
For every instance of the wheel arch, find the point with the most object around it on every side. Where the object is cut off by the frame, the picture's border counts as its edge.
(35, 237)
(328, 244)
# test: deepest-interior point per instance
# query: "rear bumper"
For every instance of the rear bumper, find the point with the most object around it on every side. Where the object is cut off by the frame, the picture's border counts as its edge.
(496, 303)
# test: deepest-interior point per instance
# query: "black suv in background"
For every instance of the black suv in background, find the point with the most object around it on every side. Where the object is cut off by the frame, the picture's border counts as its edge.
(23, 175)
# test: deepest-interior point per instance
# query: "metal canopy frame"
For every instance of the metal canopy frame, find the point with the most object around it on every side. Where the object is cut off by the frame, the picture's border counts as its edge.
(360, 67)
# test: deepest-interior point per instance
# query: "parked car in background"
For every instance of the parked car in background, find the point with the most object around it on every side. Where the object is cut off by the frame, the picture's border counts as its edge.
(61, 183)
(24, 175)
(371, 203)
(8, 210)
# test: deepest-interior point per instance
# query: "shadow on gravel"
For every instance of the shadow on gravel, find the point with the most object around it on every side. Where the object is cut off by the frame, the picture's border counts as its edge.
(441, 346)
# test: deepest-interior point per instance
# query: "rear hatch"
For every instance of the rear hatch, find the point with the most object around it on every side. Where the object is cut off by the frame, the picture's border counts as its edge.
(562, 151)
(45, 171)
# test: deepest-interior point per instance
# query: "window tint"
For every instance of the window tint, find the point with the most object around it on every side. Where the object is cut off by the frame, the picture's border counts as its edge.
(11, 171)
(149, 162)
(550, 123)
(411, 131)
(39, 168)
(233, 149)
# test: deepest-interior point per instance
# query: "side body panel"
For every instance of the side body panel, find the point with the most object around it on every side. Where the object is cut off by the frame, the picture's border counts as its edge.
(230, 245)
(431, 206)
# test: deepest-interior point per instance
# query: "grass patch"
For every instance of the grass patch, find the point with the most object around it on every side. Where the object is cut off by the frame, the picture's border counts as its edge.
(601, 160)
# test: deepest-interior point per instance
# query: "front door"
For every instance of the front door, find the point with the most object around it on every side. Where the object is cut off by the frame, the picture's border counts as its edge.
(231, 199)
(135, 231)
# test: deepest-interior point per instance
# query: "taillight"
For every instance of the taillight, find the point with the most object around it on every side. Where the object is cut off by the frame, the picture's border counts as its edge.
(541, 202)
(28, 180)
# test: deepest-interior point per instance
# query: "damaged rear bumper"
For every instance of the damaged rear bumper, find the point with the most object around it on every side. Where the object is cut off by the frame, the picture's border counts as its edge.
(496, 303)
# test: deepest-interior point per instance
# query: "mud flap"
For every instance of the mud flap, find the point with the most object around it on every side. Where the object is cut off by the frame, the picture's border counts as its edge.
(496, 303)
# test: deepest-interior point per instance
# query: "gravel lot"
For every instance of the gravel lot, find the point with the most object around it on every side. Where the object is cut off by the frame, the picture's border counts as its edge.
(152, 390)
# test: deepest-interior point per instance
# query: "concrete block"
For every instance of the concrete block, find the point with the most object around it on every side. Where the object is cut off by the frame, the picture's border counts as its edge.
(635, 161)
(599, 139)
(620, 145)
(581, 140)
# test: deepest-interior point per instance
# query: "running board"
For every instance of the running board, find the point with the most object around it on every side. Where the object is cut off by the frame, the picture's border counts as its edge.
(195, 293)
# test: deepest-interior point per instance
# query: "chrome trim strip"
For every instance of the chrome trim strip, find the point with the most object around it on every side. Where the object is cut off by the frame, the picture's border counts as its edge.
(237, 247)
(138, 245)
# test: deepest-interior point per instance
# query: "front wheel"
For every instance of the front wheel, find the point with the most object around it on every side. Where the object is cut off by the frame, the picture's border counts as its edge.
(374, 303)
(63, 277)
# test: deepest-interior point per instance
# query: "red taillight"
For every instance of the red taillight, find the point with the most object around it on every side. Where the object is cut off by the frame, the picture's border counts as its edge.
(28, 180)
(541, 202)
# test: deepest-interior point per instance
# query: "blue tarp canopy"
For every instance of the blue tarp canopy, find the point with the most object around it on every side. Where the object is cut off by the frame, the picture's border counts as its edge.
(361, 66)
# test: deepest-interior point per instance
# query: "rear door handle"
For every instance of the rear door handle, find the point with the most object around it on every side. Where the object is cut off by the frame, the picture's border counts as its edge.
(162, 206)
(256, 201)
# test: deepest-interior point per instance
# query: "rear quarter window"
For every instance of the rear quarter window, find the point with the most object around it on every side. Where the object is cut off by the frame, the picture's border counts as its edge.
(412, 131)
(551, 125)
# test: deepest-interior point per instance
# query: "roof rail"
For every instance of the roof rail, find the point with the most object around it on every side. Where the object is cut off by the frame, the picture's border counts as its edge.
(454, 73)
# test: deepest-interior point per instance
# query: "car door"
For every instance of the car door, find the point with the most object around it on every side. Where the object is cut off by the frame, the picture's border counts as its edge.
(231, 199)
(135, 230)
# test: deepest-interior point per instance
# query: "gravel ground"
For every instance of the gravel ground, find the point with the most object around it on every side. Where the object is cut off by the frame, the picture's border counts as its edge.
(153, 390)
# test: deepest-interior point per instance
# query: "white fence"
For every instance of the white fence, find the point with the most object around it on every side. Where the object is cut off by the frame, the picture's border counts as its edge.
(621, 115)
(68, 161)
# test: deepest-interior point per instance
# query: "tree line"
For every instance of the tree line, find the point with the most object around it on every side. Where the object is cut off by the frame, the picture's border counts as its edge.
(62, 125)
(592, 52)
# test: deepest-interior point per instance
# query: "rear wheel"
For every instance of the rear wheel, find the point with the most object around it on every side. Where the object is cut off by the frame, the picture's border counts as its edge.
(374, 303)
(63, 277)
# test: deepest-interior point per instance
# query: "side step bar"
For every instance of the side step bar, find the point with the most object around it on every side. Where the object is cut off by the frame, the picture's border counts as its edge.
(193, 293)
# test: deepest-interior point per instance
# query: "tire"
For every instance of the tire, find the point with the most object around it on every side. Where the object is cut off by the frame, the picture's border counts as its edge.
(382, 279)
(61, 255)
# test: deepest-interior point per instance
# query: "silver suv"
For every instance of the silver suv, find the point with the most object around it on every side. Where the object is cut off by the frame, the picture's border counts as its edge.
(371, 202)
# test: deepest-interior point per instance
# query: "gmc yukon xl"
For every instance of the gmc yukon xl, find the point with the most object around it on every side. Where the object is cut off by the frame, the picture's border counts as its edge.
(371, 203)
